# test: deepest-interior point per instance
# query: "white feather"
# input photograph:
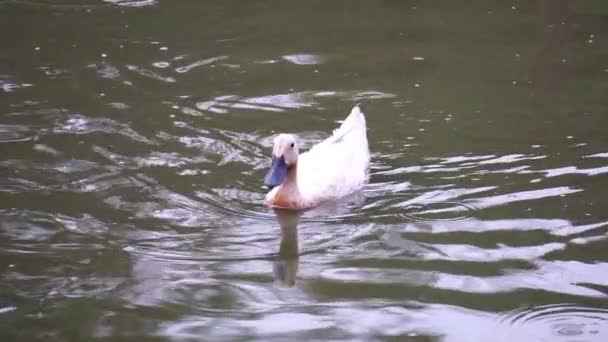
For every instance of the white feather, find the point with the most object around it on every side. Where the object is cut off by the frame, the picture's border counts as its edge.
(337, 166)
(334, 168)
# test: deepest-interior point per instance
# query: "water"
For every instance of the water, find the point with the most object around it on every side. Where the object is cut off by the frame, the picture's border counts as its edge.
(135, 136)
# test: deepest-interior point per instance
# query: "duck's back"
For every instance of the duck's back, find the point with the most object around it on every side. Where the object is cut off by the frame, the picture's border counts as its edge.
(338, 165)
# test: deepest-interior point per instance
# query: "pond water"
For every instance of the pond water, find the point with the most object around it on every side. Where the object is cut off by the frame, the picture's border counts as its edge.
(135, 135)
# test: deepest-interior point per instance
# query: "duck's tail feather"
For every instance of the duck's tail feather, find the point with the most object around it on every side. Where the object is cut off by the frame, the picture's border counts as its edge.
(354, 121)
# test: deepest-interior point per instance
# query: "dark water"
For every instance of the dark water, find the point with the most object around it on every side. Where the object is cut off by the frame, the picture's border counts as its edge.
(134, 136)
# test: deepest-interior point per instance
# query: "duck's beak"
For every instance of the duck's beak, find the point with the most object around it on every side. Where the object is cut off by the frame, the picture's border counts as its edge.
(277, 173)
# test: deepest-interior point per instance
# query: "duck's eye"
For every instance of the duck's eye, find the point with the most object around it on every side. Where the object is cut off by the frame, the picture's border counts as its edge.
(292, 145)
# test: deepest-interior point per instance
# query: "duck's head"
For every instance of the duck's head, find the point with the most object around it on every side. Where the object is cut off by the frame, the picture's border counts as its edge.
(284, 157)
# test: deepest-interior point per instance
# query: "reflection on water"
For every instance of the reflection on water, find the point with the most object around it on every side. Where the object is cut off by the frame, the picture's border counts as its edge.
(286, 265)
(135, 136)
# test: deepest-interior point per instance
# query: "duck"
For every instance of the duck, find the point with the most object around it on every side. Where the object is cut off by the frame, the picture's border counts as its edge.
(332, 169)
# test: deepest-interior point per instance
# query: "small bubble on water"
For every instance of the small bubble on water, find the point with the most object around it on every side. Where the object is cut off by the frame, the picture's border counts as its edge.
(514, 82)
(513, 8)
(535, 146)
(37, 48)
(104, 55)
(164, 48)
(417, 85)
(418, 58)
(569, 137)
(590, 41)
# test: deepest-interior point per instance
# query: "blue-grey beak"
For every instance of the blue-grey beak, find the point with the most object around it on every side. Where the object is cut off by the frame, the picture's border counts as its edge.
(277, 173)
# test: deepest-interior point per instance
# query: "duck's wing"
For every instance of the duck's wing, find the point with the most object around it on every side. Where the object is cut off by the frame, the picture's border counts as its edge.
(337, 165)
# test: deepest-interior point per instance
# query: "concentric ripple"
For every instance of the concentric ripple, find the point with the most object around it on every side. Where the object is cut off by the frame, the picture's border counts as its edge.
(561, 322)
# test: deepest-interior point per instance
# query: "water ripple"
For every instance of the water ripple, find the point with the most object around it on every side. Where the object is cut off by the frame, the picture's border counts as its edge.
(435, 211)
(282, 102)
(303, 59)
(132, 3)
(560, 322)
(199, 63)
(8, 85)
(150, 74)
(15, 133)
(80, 124)
(572, 278)
(134, 151)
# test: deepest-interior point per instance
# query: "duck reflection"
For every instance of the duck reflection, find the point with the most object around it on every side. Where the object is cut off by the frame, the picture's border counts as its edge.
(286, 265)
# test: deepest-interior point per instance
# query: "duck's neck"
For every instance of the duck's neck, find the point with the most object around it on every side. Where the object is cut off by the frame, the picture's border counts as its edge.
(291, 181)
(288, 195)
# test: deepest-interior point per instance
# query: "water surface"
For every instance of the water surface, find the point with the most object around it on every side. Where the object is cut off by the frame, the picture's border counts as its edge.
(135, 136)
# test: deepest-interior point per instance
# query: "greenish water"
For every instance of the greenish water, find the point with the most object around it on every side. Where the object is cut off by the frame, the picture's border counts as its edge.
(134, 136)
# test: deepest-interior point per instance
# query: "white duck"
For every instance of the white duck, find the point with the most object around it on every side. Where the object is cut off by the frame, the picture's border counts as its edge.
(332, 169)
